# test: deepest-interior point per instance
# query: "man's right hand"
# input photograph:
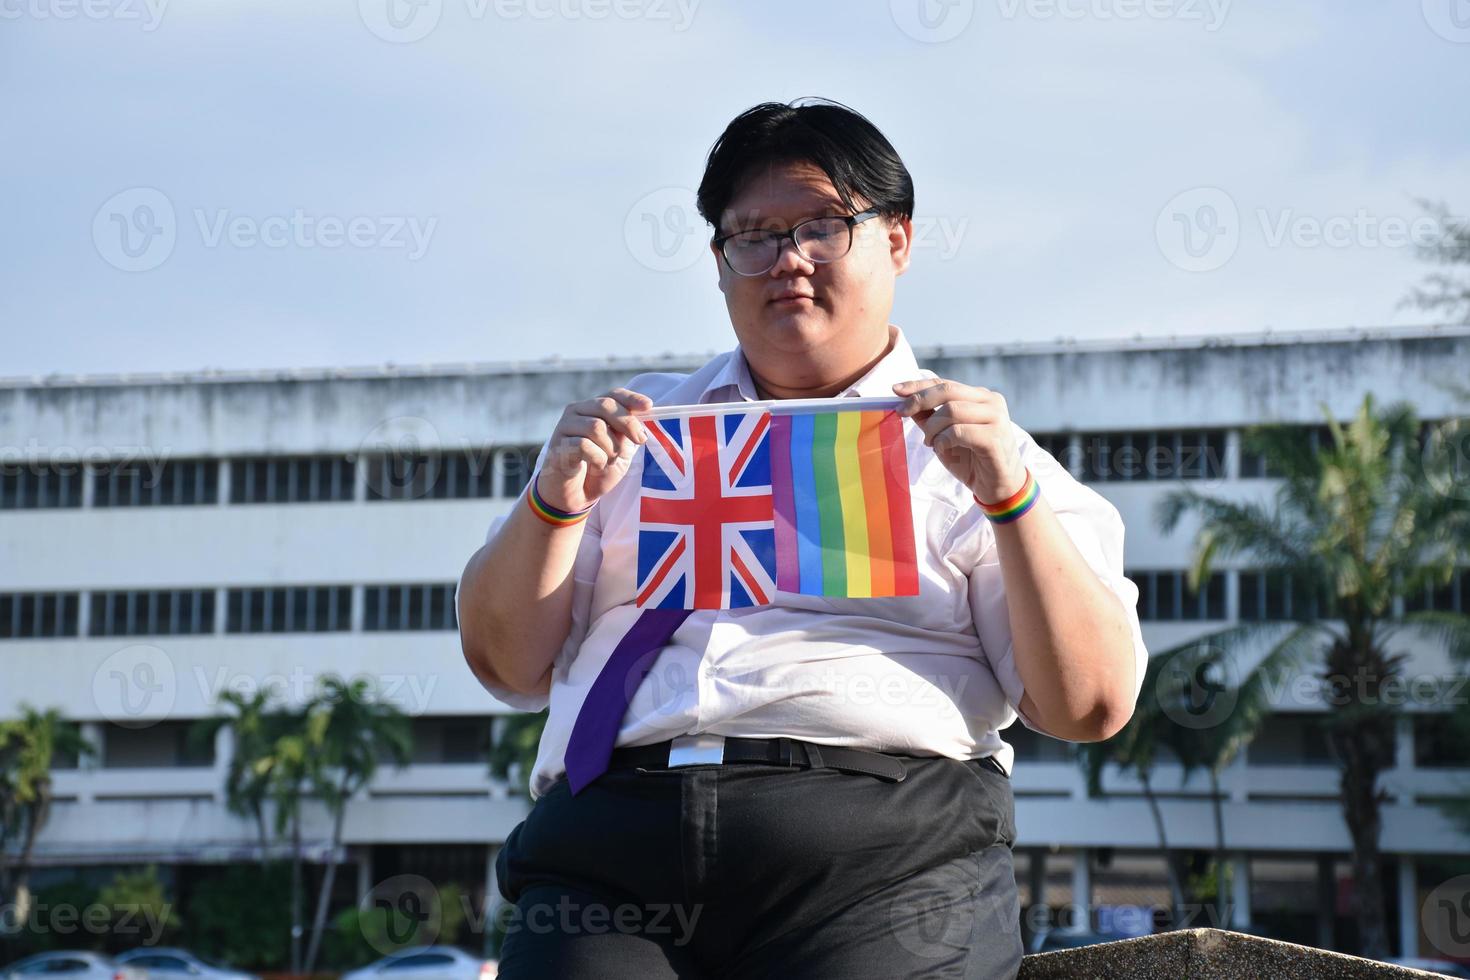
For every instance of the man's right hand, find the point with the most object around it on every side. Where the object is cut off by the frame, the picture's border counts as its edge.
(591, 448)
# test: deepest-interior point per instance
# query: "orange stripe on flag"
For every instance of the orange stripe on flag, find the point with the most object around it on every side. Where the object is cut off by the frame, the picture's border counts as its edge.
(875, 495)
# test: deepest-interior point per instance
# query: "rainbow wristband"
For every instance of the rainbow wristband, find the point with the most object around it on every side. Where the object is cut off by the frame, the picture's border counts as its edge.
(552, 515)
(1015, 505)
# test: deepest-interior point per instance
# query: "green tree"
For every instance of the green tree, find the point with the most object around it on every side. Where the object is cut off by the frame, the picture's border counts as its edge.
(517, 745)
(352, 731)
(1137, 749)
(247, 789)
(1354, 528)
(288, 768)
(1444, 291)
(28, 748)
(136, 898)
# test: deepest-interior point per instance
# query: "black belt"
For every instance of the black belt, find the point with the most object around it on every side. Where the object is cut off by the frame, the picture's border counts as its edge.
(687, 750)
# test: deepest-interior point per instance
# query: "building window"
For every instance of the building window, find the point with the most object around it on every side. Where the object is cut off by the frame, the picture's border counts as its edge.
(1452, 596)
(408, 607)
(30, 615)
(38, 486)
(1058, 444)
(1188, 454)
(292, 609)
(516, 467)
(1031, 746)
(1166, 596)
(164, 744)
(290, 479)
(175, 482)
(1253, 464)
(154, 613)
(1290, 739)
(451, 740)
(1272, 596)
(1441, 741)
(431, 476)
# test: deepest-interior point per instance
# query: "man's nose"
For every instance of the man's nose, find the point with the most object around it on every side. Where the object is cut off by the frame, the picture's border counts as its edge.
(789, 260)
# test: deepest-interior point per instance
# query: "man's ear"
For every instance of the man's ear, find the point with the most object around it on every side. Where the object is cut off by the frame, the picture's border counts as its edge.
(719, 265)
(900, 243)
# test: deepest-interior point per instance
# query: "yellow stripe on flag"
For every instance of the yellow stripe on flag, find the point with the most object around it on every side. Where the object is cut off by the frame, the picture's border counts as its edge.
(854, 508)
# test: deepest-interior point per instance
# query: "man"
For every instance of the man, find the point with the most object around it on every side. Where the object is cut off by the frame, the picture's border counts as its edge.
(814, 787)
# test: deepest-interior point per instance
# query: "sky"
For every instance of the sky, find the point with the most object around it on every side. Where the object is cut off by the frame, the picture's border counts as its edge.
(197, 184)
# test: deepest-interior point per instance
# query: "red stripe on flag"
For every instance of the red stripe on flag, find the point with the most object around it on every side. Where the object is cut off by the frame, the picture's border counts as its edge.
(755, 437)
(900, 510)
(669, 447)
(663, 570)
(750, 581)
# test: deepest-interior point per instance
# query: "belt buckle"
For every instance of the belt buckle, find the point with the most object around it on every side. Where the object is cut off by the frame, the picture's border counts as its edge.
(694, 750)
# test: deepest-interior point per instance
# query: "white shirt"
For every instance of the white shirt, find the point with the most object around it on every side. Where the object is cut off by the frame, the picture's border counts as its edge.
(931, 674)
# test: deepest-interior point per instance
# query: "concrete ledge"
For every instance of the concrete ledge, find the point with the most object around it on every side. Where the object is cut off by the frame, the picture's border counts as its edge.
(1205, 954)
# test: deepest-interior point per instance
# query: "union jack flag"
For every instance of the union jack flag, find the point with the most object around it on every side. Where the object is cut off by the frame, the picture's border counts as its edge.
(706, 524)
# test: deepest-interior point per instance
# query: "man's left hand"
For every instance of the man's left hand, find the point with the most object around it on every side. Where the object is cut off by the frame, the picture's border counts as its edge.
(969, 429)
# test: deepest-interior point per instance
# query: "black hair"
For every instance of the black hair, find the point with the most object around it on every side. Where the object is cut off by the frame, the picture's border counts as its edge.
(849, 149)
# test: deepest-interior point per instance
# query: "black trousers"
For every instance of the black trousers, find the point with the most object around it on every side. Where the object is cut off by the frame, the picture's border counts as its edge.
(752, 871)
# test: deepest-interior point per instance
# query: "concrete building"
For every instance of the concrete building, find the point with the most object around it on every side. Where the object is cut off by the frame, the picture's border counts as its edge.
(165, 538)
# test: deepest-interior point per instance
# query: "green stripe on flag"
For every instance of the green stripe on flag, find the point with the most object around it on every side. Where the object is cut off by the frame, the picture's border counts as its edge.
(829, 504)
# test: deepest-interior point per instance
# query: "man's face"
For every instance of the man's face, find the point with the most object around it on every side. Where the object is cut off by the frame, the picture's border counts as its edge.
(838, 322)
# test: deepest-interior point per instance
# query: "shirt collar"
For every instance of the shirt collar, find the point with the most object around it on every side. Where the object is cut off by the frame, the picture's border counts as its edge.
(733, 382)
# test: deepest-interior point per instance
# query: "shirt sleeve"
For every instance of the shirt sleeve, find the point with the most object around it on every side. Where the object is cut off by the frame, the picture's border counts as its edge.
(1094, 526)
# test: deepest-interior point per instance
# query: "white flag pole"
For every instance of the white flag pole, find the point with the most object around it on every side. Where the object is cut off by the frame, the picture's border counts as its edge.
(778, 406)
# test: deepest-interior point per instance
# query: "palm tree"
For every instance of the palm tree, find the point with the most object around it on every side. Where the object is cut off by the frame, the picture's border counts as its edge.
(28, 746)
(1203, 721)
(287, 768)
(1137, 748)
(355, 732)
(1354, 528)
(246, 789)
(517, 745)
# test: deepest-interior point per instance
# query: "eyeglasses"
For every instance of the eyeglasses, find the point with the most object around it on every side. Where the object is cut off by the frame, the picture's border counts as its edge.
(820, 240)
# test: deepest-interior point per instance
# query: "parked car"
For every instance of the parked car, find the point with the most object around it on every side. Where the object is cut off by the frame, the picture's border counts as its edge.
(60, 965)
(170, 963)
(427, 963)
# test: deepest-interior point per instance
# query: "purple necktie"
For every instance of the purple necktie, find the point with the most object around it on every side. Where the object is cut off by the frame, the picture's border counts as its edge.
(596, 731)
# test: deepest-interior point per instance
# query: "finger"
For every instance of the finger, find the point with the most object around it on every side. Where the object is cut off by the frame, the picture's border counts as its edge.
(635, 401)
(595, 430)
(614, 410)
(948, 434)
(592, 453)
(933, 422)
(933, 393)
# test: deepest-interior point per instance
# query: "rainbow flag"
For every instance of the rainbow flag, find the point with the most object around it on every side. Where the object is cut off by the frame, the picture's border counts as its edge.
(840, 490)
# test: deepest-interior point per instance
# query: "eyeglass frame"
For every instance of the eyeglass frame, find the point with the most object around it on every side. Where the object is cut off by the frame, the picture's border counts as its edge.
(852, 221)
